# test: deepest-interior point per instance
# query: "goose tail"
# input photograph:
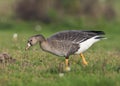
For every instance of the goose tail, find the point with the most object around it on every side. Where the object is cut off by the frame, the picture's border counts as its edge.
(100, 37)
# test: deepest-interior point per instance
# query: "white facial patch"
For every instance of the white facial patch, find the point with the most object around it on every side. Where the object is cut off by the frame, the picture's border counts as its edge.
(28, 45)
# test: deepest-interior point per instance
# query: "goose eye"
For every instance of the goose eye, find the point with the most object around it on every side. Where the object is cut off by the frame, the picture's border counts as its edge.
(30, 40)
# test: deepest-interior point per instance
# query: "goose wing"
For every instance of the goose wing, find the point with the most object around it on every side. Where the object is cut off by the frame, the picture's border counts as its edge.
(75, 36)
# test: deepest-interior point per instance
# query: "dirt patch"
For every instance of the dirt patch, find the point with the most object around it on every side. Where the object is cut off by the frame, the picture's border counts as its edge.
(6, 58)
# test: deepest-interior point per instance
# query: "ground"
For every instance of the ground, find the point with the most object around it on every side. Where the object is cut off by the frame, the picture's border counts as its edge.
(36, 67)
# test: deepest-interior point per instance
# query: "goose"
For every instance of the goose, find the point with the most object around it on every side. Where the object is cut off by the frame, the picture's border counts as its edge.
(66, 43)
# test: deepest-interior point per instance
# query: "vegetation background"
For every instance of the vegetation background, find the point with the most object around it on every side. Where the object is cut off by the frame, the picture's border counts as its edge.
(25, 18)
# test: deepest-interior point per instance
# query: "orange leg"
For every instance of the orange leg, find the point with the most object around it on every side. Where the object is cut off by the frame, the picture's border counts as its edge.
(83, 59)
(67, 64)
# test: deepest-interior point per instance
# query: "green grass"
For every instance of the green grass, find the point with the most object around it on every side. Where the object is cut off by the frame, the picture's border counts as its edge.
(38, 68)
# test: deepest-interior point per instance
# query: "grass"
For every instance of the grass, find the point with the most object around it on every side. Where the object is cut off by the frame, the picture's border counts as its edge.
(38, 68)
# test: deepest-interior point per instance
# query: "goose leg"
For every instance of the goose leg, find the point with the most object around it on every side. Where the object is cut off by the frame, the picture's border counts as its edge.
(67, 68)
(83, 59)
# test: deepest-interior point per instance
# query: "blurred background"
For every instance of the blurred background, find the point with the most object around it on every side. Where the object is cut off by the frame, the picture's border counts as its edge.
(48, 11)
(56, 11)
(53, 10)
(71, 14)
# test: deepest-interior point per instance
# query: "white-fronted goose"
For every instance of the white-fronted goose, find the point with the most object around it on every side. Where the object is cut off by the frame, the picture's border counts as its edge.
(66, 43)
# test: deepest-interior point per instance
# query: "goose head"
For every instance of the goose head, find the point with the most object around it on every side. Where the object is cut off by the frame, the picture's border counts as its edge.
(34, 40)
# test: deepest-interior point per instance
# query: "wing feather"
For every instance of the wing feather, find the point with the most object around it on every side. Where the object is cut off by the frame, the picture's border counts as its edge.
(75, 35)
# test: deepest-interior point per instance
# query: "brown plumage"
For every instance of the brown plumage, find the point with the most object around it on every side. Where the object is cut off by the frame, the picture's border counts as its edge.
(66, 43)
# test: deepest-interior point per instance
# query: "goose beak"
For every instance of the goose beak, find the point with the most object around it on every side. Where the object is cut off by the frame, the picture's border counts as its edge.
(28, 46)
